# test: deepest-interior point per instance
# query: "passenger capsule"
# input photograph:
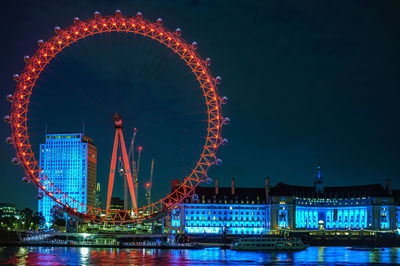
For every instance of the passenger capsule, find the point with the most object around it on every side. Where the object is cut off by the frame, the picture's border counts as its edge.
(9, 140)
(218, 162)
(27, 58)
(10, 97)
(97, 14)
(25, 179)
(208, 61)
(208, 180)
(139, 15)
(195, 197)
(7, 119)
(40, 196)
(159, 21)
(195, 45)
(226, 121)
(57, 30)
(178, 31)
(76, 20)
(224, 142)
(16, 77)
(224, 100)
(218, 80)
(118, 13)
(40, 43)
(15, 160)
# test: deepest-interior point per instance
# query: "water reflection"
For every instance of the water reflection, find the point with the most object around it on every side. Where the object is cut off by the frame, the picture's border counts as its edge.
(22, 255)
(321, 254)
(394, 255)
(208, 256)
(84, 252)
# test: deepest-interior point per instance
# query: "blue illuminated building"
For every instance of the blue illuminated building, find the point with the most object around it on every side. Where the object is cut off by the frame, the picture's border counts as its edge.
(68, 160)
(332, 208)
(249, 211)
(396, 196)
(233, 211)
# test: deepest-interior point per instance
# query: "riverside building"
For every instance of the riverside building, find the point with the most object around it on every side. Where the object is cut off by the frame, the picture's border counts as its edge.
(249, 211)
(8, 210)
(69, 161)
(236, 211)
(333, 208)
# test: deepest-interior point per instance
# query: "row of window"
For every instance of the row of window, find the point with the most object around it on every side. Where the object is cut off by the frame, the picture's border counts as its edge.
(225, 201)
(223, 207)
(225, 212)
(224, 218)
(62, 136)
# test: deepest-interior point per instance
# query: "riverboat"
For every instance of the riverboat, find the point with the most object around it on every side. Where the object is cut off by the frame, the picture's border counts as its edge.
(366, 248)
(163, 245)
(268, 243)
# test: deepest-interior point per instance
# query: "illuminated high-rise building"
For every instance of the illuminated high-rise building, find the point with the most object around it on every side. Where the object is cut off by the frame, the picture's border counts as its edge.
(98, 196)
(69, 161)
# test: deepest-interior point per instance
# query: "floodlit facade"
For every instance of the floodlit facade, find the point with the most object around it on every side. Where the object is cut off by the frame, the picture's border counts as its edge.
(69, 160)
(333, 208)
(249, 211)
(233, 211)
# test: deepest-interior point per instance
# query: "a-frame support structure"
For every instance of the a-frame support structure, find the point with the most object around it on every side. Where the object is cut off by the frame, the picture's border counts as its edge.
(120, 137)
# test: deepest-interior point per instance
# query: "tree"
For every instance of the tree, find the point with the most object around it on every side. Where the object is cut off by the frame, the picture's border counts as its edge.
(9, 223)
(27, 219)
(38, 220)
(57, 217)
(2, 220)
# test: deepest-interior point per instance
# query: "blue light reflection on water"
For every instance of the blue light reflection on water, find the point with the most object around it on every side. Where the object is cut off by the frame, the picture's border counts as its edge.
(208, 256)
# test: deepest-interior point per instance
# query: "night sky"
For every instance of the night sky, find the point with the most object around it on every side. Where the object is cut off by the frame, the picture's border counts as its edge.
(307, 82)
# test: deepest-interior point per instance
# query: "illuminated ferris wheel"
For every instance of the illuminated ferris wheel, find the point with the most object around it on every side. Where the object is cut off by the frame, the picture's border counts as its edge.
(80, 30)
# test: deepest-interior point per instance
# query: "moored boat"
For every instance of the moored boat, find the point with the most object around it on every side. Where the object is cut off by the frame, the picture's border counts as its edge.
(268, 243)
(366, 248)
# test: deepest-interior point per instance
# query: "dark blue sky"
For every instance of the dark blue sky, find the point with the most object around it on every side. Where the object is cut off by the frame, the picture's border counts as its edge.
(307, 81)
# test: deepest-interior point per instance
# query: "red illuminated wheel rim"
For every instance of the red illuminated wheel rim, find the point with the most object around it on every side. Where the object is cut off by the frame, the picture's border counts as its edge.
(137, 25)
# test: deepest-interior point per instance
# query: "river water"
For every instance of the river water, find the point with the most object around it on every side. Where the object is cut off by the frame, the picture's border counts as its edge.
(208, 256)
